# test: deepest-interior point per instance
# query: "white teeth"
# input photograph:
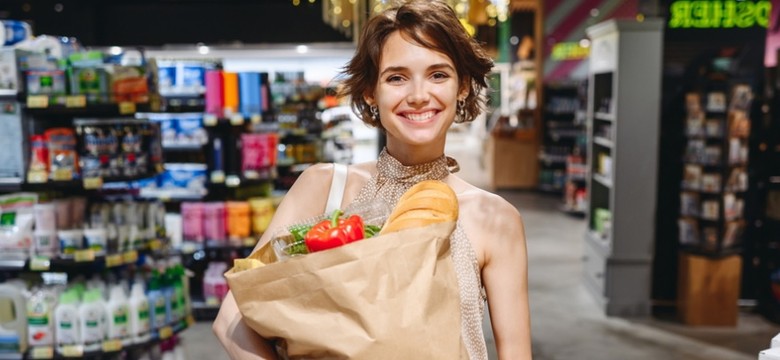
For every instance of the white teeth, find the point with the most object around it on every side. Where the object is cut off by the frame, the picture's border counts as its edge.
(420, 117)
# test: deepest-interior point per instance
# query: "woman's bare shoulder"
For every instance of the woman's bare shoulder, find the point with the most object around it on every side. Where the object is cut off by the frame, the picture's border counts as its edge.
(481, 203)
(488, 219)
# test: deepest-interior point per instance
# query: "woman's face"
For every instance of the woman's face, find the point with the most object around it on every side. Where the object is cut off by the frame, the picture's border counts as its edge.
(416, 94)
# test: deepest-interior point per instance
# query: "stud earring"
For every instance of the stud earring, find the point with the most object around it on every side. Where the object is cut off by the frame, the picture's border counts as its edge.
(461, 111)
(374, 110)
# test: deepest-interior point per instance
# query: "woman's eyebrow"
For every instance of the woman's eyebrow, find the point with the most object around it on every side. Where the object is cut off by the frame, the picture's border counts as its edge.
(403, 68)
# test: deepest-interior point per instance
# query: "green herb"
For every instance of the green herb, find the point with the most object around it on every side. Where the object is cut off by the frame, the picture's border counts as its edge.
(371, 230)
(299, 231)
(298, 246)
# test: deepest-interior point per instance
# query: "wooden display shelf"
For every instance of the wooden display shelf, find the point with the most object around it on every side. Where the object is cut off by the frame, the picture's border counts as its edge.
(511, 162)
(708, 289)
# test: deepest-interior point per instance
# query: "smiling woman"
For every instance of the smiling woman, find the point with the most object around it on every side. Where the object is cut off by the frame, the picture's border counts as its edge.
(415, 72)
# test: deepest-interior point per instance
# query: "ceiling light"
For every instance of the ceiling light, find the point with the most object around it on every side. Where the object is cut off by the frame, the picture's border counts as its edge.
(302, 49)
(115, 50)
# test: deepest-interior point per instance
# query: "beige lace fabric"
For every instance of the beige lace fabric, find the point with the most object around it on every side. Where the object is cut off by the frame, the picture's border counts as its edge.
(390, 182)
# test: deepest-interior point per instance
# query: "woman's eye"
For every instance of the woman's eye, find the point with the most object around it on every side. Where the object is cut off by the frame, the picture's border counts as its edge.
(395, 78)
(440, 75)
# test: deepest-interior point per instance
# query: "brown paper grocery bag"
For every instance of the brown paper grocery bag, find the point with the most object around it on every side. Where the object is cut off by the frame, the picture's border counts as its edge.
(394, 296)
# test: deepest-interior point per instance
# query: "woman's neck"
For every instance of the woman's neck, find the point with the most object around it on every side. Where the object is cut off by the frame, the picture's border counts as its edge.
(408, 155)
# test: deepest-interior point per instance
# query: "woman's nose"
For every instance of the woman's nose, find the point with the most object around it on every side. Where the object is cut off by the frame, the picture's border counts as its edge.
(418, 93)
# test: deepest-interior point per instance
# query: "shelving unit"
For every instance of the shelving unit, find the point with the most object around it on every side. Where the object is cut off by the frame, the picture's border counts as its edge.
(768, 249)
(715, 175)
(560, 134)
(623, 130)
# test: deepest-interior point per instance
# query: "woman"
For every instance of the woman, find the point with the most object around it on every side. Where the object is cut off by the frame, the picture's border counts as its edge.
(415, 72)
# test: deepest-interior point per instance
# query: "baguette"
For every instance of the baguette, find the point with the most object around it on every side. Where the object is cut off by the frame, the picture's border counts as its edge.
(427, 202)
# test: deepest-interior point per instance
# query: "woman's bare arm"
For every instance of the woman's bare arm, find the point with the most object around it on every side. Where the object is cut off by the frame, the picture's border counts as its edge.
(301, 202)
(504, 275)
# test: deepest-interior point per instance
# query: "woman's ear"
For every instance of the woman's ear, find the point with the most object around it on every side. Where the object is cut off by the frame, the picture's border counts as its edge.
(465, 89)
(369, 99)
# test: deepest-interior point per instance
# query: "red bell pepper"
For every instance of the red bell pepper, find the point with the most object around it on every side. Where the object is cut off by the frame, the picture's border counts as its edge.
(334, 232)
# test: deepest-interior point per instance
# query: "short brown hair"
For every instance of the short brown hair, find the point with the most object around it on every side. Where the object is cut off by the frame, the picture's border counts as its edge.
(429, 23)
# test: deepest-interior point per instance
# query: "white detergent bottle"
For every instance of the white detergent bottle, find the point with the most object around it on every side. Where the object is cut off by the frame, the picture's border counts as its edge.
(13, 322)
(40, 319)
(117, 325)
(92, 312)
(138, 310)
(67, 331)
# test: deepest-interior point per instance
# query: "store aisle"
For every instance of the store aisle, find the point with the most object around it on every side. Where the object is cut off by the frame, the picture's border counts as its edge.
(566, 323)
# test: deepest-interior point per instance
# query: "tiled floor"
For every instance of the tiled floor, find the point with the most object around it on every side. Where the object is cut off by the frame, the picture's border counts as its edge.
(566, 323)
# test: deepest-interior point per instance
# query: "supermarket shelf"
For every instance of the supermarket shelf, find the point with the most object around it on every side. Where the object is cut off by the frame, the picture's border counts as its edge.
(12, 264)
(601, 244)
(172, 194)
(603, 142)
(182, 147)
(552, 159)
(8, 356)
(603, 180)
(550, 188)
(48, 352)
(82, 258)
(90, 110)
(11, 184)
(604, 116)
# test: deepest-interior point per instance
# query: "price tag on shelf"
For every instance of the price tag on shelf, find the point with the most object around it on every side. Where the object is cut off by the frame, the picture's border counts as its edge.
(62, 175)
(217, 177)
(93, 183)
(37, 177)
(212, 301)
(155, 244)
(73, 351)
(37, 101)
(126, 107)
(114, 260)
(232, 181)
(76, 101)
(209, 120)
(130, 256)
(256, 118)
(166, 332)
(237, 119)
(112, 345)
(249, 242)
(42, 352)
(40, 263)
(84, 255)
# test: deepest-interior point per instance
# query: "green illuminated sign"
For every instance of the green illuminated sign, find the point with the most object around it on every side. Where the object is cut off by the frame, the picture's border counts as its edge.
(719, 14)
(568, 51)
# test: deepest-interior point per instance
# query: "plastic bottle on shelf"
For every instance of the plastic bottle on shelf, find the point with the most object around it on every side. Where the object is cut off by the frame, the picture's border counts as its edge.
(166, 287)
(13, 322)
(117, 316)
(181, 290)
(172, 296)
(67, 321)
(138, 310)
(156, 303)
(40, 318)
(92, 312)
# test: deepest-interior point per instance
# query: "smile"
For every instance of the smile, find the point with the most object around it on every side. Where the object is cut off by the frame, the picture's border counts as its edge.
(420, 117)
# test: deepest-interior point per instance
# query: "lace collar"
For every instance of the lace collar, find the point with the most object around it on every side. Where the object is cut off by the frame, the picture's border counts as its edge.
(389, 168)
